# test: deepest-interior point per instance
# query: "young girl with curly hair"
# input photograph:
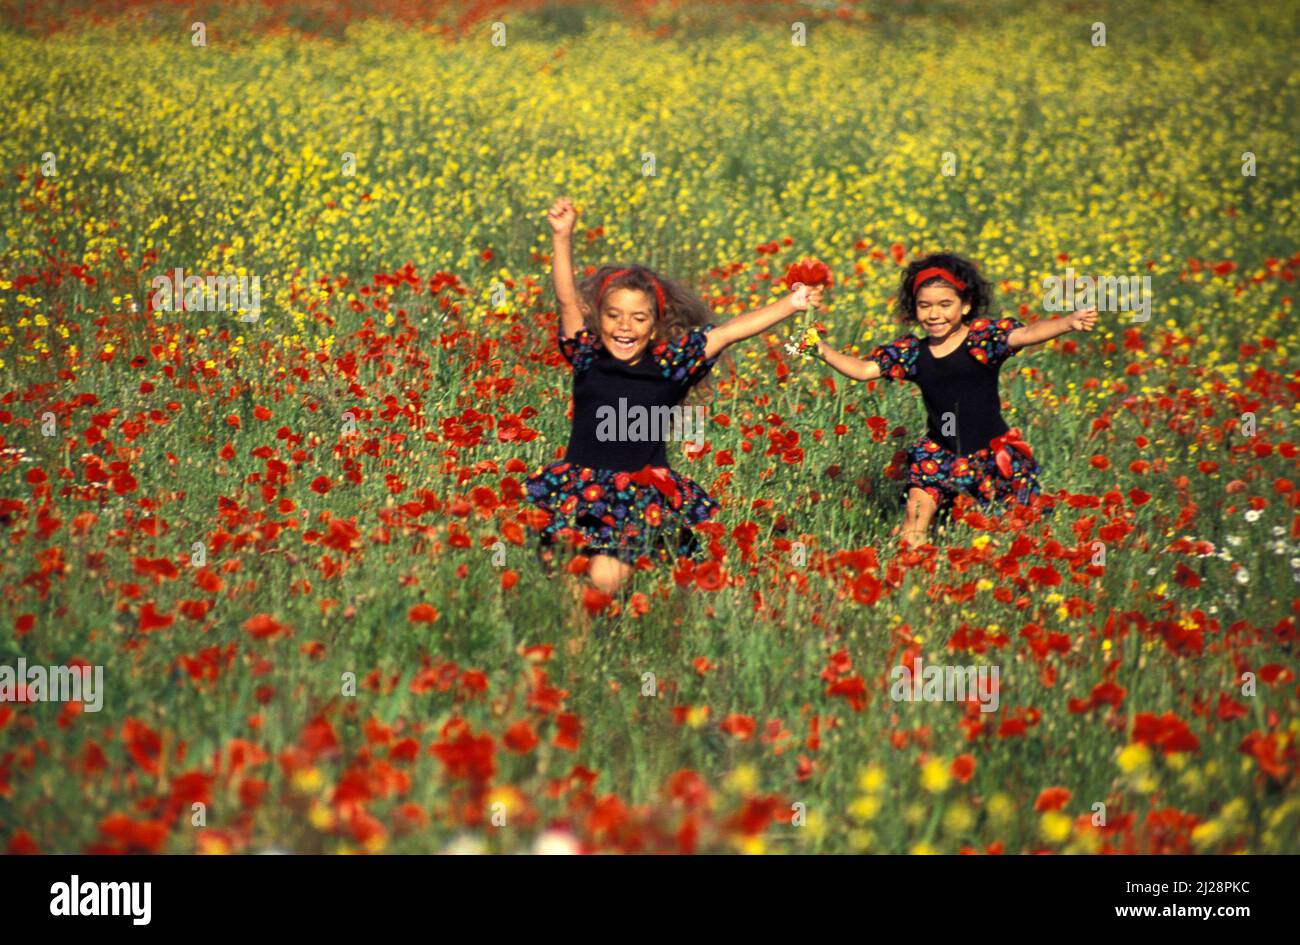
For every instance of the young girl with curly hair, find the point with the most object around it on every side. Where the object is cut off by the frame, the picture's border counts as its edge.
(967, 446)
(637, 343)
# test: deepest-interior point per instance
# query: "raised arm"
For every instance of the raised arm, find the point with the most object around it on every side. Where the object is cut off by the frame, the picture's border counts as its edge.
(1050, 328)
(859, 369)
(563, 215)
(760, 319)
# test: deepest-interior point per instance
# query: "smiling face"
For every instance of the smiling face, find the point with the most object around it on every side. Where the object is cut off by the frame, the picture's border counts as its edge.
(939, 309)
(627, 321)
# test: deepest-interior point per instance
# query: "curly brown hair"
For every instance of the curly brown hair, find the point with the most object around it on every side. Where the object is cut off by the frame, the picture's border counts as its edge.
(683, 309)
(977, 294)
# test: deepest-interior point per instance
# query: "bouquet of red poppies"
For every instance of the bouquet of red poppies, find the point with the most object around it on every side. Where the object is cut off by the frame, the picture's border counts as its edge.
(816, 275)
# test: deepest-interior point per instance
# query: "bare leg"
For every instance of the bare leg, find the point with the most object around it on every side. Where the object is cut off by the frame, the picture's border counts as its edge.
(916, 523)
(607, 573)
(579, 619)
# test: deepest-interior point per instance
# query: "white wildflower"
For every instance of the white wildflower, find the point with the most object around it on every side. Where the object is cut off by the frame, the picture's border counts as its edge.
(464, 845)
(555, 843)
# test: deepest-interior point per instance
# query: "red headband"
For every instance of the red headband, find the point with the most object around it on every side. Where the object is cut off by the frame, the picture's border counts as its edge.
(942, 273)
(659, 292)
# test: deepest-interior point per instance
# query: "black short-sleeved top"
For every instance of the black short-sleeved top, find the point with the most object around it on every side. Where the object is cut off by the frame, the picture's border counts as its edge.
(963, 383)
(661, 378)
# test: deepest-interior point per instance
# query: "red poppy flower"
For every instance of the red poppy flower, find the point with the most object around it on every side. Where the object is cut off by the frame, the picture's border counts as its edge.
(866, 589)
(1167, 732)
(963, 768)
(568, 730)
(422, 613)
(263, 626)
(150, 619)
(811, 272)
(251, 793)
(143, 744)
(512, 532)
(740, 727)
(1053, 798)
(134, 836)
(1269, 753)
(851, 688)
(687, 788)
(463, 755)
(594, 601)
(709, 576)
(22, 844)
(520, 738)
(1274, 673)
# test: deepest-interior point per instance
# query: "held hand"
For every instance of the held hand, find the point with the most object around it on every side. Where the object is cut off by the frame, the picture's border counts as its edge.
(563, 216)
(799, 296)
(1085, 320)
(805, 297)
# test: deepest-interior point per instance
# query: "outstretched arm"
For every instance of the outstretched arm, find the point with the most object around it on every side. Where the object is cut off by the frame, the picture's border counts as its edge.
(1050, 328)
(563, 215)
(859, 369)
(760, 319)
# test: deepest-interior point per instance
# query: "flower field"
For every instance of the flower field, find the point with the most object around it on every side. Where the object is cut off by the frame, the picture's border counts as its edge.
(293, 533)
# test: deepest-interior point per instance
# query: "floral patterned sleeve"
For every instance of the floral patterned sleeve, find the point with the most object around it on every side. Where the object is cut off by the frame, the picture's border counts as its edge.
(580, 350)
(684, 361)
(987, 339)
(897, 359)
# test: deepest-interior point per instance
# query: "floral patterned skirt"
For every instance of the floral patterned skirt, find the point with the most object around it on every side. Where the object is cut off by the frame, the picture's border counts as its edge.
(944, 475)
(621, 514)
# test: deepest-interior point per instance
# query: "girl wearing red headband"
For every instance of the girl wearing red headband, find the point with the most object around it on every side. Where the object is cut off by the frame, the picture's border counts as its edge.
(967, 447)
(636, 342)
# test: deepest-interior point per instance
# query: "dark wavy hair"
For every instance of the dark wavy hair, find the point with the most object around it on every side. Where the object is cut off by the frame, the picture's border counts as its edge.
(977, 293)
(683, 309)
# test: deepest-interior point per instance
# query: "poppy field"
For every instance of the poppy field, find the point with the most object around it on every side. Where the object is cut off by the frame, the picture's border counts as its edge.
(288, 525)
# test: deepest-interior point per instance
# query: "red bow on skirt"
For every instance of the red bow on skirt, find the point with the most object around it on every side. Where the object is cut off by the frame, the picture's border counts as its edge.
(1002, 446)
(658, 476)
